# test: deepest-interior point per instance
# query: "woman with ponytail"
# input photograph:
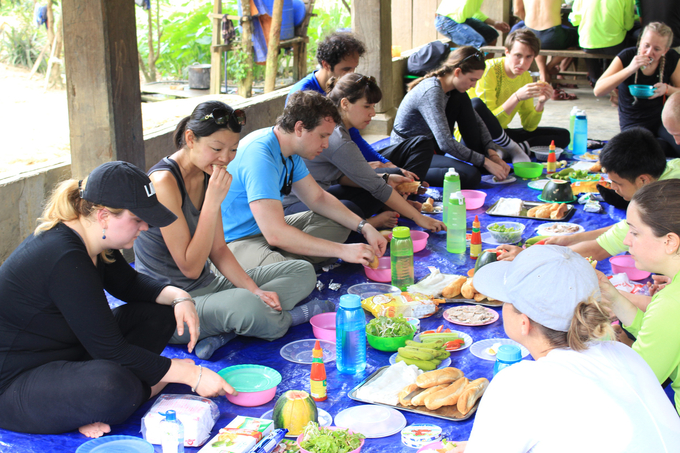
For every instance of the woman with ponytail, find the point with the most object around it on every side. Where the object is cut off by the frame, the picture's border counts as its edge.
(582, 391)
(432, 107)
(342, 170)
(653, 238)
(654, 63)
(68, 361)
(192, 183)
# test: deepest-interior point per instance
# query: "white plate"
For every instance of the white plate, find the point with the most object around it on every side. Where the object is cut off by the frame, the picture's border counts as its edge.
(446, 362)
(487, 238)
(366, 290)
(479, 348)
(539, 184)
(489, 180)
(301, 351)
(543, 231)
(462, 335)
(372, 421)
(325, 418)
(591, 155)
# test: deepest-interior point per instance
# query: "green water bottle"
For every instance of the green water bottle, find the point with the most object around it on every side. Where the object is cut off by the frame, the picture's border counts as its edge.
(451, 185)
(401, 257)
(457, 224)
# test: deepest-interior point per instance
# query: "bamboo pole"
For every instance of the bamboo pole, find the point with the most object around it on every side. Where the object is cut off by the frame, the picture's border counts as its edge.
(273, 47)
(245, 85)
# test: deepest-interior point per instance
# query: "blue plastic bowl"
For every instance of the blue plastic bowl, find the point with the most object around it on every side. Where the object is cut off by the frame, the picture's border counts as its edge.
(641, 91)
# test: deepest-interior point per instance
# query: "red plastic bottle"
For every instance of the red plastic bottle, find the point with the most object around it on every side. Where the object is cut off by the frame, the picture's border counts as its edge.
(552, 161)
(475, 239)
(317, 379)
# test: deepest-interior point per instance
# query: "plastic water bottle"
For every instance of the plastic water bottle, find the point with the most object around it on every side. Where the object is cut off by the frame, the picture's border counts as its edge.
(572, 118)
(580, 134)
(172, 433)
(451, 185)
(507, 354)
(350, 335)
(401, 258)
(455, 234)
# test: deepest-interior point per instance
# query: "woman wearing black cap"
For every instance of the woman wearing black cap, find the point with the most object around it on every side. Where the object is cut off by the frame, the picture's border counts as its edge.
(192, 183)
(67, 360)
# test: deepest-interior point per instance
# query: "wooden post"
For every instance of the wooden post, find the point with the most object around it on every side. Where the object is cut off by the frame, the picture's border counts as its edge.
(245, 85)
(273, 47)
(216, 54)
(300, 55)
(102, 84)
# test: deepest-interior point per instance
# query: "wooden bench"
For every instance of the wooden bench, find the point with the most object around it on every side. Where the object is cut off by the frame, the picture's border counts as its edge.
(578, 53)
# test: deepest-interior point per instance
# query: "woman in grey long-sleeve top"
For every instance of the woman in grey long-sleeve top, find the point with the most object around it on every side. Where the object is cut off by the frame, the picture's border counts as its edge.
(342, 170)
(434, 104)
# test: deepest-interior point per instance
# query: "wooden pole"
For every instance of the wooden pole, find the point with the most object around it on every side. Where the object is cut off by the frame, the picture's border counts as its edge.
(215, 54)
(245, 85)
(273, 47)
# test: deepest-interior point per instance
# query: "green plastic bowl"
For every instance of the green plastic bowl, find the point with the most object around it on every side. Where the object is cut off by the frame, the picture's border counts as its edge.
(389, 344)
(529, 170)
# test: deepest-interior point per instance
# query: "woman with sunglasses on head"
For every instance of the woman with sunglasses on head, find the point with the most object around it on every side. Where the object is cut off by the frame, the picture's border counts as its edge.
(438, 101)
(342, 170)
(68, 361)
(652, 63)
(192, 183)
(653, 238)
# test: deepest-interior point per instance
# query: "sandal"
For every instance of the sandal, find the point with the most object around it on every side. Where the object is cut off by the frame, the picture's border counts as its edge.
(561, 95)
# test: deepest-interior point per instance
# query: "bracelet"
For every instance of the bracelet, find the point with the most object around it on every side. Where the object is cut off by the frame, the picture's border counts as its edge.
(361, 225)
(517, 96)
(200, 375)
(182, 299)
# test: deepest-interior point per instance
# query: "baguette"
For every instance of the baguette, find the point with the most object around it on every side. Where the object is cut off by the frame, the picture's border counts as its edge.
(374, 262)
(406, 394)
(554, 207)
(596, 168)
(471, 393)
(447, 396)
(543, 211)
(468, 290)
(479, 297)
(560, 212)
(532, 212)
(437, 377)
(419, 399)
(428, 206)
(453, 289)
(408, 187)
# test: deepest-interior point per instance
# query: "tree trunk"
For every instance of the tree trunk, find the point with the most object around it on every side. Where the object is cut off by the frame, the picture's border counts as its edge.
(151, 59)
(273, 47)
(245, 85)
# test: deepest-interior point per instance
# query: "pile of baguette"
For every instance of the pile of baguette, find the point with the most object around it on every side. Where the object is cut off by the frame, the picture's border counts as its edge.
(463, 286)
(548, 211)
(408, 187)
(428, 206)
(445, 387)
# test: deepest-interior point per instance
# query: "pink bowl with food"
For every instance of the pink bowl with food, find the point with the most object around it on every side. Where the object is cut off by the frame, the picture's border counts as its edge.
(626, 264)
(383, 273)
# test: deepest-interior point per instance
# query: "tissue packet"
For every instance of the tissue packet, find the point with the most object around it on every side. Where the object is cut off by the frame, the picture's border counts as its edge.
(197, 414)
(239, 436)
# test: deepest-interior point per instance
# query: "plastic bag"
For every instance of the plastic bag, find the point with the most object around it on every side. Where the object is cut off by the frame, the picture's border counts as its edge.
(413, 305)
(197, 414)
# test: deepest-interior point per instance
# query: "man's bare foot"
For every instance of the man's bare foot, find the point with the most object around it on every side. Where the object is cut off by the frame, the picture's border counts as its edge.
(386, 219)
(95, 430)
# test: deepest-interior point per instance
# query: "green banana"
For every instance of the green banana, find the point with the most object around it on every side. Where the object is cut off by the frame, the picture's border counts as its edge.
(443, 354)
(422, 364)
(417, 354)
(438, 344)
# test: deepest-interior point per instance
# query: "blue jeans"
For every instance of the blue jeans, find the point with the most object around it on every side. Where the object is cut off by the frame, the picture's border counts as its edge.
(471, 33)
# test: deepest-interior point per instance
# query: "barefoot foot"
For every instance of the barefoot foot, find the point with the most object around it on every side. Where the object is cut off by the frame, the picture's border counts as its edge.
(95, 430)
(386, 219)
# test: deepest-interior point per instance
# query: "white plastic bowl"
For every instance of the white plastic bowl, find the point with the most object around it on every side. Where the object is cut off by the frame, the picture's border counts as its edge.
(541, 152)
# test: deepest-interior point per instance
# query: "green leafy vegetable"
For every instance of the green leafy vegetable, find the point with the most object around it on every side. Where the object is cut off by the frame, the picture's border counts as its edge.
(505, 234)
(502, 228)
(382, 326)
(326, 440)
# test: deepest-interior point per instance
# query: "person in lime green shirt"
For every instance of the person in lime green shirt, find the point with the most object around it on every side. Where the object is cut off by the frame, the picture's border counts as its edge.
(465, 24)
(653, 239)
(604, 27)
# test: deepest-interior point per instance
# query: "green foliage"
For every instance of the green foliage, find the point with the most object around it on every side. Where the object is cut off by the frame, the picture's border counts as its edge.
(330, 16)
(22, 43)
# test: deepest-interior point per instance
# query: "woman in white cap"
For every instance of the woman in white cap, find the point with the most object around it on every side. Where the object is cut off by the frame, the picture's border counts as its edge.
(582, 392)
(67, 361)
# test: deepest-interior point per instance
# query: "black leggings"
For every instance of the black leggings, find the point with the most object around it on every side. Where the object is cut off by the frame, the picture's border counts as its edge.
(413, 154)
(541, 136)
(61, 396)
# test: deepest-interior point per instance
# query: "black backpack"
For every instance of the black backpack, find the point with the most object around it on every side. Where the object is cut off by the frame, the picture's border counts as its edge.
(427, 58)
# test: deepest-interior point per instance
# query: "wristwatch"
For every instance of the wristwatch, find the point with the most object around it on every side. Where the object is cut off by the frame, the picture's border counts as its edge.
(386, 177)
(361, 226)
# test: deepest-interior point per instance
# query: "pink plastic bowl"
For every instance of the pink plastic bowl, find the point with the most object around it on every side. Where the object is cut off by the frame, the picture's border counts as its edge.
(474, 199)
(323, 326)
(252, 399)
(626, 263)
(419, 239)
(383, 273)
(302, 450)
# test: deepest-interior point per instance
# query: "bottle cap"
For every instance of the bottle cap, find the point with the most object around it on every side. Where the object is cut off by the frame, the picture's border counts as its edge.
(350, 301)
(401, 232)
(476, 221)
(170, 415)
(317, 353)
(459, 197)
(451, 172)
(509, 353)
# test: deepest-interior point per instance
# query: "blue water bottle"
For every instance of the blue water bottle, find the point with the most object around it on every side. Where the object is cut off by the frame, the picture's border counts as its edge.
(451, 185)
(350, 335)
(572, 120)
(455, 227)
(507, 354)
(580, 134)
(172, 433)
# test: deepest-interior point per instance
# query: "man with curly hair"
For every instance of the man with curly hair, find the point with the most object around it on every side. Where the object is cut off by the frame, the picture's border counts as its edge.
(268, 165)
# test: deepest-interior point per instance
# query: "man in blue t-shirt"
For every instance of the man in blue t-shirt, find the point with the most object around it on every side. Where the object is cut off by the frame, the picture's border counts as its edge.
(268, 166)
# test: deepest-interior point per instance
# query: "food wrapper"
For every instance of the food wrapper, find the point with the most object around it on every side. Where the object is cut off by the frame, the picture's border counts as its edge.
(592, 206)
(198, 415)
(414, 305)
(623, 283)
(433, 284)
(588, 186)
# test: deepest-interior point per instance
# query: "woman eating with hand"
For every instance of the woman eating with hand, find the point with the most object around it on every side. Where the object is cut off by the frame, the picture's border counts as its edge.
(653, 238)
(192, 183)
(652, 63)
(67, 361)
(581, 389)
(342, 170)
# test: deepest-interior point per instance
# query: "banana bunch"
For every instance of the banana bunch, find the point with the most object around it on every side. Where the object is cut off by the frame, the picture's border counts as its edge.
(426, 356)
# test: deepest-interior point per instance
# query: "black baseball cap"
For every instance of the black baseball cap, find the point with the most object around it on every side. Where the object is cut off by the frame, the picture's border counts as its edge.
(121, 185)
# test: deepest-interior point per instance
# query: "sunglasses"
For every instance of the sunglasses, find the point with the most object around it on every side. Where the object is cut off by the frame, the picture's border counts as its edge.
(222, 116)
(288, 179)
(366, 80)
(478, 55)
